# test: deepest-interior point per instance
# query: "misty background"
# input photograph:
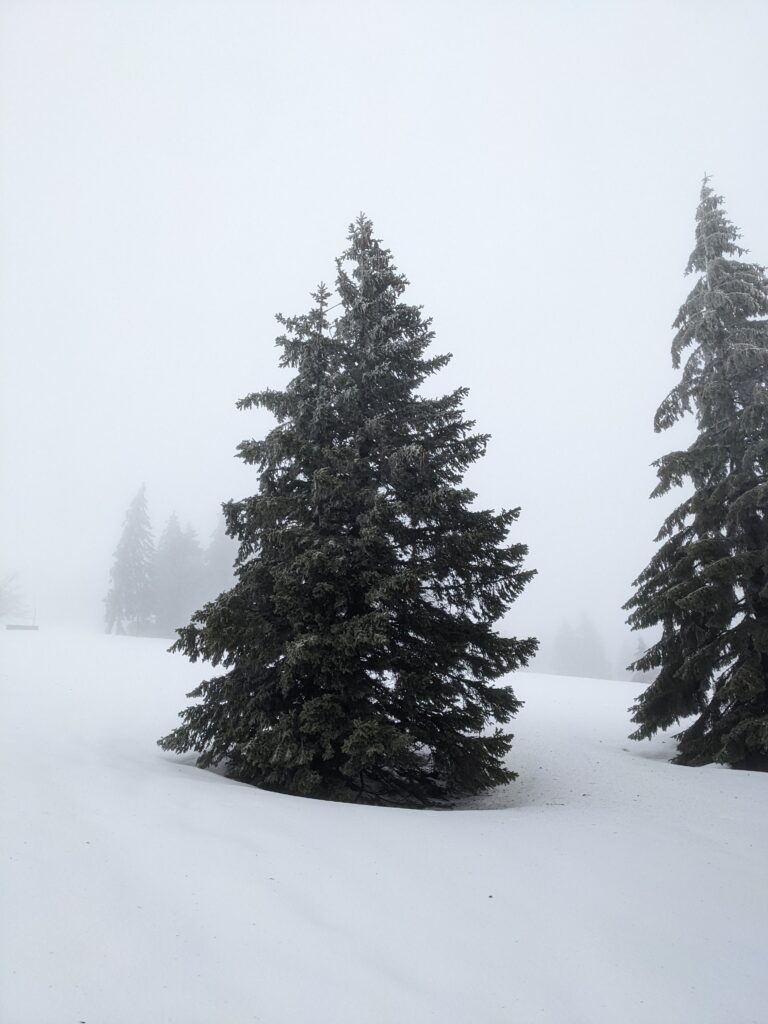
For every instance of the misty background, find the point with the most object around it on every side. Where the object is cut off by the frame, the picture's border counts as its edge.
(175, 173)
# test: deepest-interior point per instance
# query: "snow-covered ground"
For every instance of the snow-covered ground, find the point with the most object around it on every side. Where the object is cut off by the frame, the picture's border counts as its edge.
(605, 886)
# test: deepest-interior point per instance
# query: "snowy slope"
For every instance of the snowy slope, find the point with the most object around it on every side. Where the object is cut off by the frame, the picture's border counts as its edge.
(605, 886)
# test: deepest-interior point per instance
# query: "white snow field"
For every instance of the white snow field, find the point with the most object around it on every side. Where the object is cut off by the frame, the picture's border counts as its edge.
(605, 886)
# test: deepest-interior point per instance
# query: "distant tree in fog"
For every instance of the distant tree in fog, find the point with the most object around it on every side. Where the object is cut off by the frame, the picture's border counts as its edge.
(218, 562)
(638, 675)
(130, 601)
(707, 584)
(578, 651)
(11, 597)
(178, 577)
(562, 657)
(631, 650)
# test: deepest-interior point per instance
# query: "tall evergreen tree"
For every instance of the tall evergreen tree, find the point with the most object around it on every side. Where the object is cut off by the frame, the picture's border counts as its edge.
(358, 641)
(178, 577)
(707, 584)
(129, 603)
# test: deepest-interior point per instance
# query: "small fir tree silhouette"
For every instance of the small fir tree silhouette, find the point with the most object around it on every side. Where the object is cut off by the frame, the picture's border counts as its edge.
(130, 600)
(178, 577)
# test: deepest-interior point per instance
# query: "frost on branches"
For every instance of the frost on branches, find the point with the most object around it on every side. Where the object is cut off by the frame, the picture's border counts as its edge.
(357, 648)
(707, 584)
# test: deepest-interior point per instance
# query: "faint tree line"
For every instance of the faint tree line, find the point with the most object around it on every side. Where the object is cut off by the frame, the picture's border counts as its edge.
(155, 588)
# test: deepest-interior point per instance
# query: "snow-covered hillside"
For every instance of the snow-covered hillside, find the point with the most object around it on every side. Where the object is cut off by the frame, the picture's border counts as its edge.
(604, 886)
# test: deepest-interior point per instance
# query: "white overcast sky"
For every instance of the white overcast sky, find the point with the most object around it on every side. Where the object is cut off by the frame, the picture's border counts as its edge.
(172, 174)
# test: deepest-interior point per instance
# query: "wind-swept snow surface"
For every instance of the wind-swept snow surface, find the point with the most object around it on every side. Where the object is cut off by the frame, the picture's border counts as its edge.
(604, 886)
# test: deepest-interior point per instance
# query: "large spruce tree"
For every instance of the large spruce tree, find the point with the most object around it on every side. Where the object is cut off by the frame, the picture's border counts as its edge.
(130, 601)
(707, 584)
(358, 648)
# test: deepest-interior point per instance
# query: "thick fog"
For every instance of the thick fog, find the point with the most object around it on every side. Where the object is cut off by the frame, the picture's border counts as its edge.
(175, 173)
